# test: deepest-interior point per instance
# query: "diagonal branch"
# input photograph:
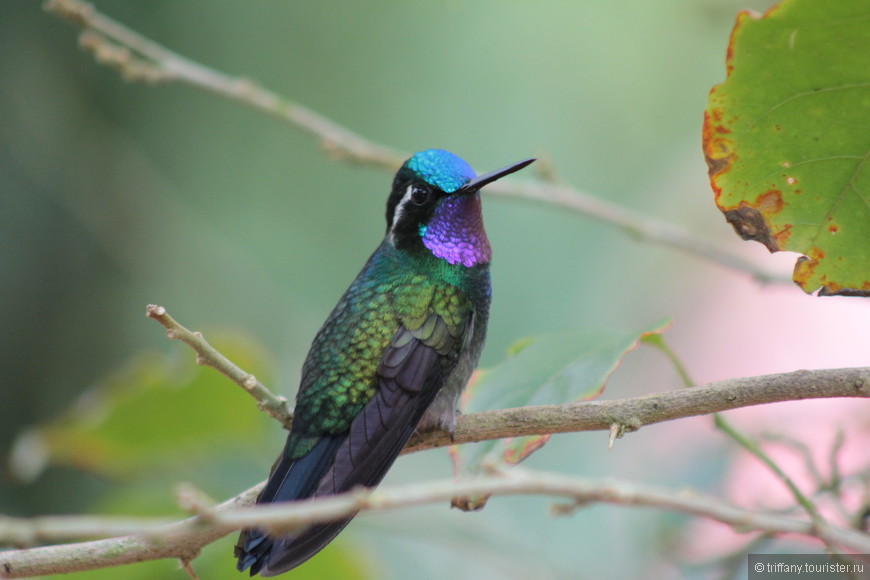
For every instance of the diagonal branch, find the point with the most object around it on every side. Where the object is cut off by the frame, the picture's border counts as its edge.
(183, 539)
(206, 354)
(138, 58)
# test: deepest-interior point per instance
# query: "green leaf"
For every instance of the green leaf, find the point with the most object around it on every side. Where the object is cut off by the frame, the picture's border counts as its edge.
(155, 410)
(787, 143)
(550, 369)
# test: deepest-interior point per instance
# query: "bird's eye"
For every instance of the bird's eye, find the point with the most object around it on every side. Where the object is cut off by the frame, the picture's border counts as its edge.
(419, 195)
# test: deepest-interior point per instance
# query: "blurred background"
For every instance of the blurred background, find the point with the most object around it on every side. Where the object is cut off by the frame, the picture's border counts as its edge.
(117, 195)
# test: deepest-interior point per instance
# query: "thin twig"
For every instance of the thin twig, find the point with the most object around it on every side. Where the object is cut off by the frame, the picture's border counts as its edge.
(22, 531)
(755, 449)
(138, 58)
(745, 441)
(636, 225)
(206, 354)
(805, 453)
(834, 464)
(180, 539)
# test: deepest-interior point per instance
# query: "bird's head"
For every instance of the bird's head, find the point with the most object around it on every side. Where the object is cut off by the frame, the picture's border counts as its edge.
(434, 206)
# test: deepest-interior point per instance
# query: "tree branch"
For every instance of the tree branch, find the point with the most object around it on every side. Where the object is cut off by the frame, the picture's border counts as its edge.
(140, 59)
(633, 413)
(183, 539)
(150, 543)
(206, 354)
(622, 415)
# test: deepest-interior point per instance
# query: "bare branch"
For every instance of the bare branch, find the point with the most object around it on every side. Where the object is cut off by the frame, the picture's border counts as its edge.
(140, 59)
(184, 538)
(206, 354)
(149, 543)
(633, 413)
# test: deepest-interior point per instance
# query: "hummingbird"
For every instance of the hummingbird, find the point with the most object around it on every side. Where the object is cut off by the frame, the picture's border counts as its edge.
(393, 356)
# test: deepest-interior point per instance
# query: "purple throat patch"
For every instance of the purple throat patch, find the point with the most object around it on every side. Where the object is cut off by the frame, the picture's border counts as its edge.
(455, 233)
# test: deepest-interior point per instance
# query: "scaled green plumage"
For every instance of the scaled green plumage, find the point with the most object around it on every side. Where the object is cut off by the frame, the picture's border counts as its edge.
(340, 375)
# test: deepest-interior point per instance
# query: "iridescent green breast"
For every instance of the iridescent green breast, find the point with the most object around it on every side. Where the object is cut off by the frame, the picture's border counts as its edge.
(340, 374)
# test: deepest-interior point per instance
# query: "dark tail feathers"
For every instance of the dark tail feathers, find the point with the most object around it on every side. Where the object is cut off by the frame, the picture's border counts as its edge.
(291, 479)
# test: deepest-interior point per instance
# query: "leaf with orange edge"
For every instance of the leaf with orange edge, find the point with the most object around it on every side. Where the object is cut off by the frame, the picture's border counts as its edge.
(787, 143)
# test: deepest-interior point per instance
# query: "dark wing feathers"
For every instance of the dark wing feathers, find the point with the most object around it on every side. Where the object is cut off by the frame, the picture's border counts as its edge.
(411, 371)
(393, 359)
(413, 374)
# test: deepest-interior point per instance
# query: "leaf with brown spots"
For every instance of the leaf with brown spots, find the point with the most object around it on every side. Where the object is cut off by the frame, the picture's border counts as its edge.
(787, 142)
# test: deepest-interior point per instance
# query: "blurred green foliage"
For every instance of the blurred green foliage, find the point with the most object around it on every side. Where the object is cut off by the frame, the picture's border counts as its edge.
(187, 411)
(113, 196)
(549, 369)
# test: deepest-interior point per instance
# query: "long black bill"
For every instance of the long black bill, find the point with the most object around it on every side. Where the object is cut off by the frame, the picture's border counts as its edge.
(481, 180)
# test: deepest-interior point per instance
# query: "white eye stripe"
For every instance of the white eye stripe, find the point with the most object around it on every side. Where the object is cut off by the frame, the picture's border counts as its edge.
(400, 210)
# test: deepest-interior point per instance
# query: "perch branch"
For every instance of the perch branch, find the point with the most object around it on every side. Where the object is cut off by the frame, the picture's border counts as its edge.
(183, 539)
(632, 413)
(138, 58)
(627, 415)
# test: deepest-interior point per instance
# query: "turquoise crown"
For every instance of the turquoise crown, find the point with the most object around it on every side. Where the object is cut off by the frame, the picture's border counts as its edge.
(444, 170)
